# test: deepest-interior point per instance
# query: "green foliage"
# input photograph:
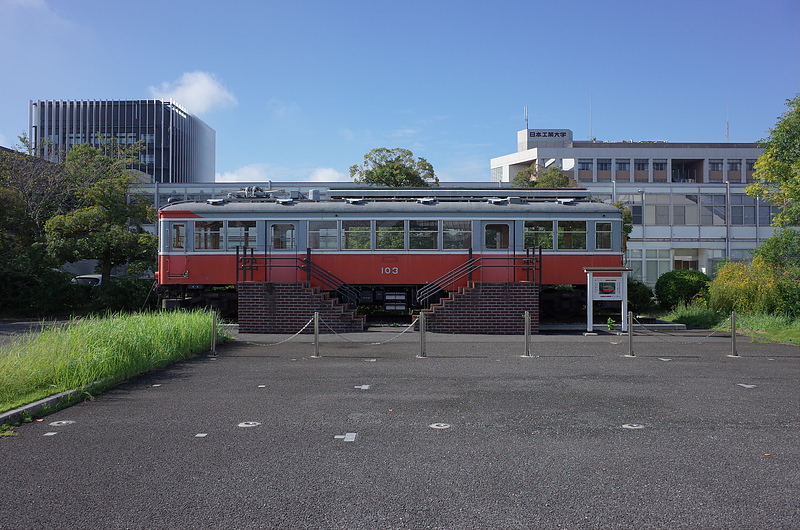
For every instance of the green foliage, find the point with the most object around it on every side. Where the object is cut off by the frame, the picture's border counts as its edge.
(395, 168)
(98, 349)
(124, 294)
(777, 170)
(756, 288)
(697, 315)
(33, 286)
(679, 287)
(108, 226)
(640, 296)
(535, 176)
(782, 249)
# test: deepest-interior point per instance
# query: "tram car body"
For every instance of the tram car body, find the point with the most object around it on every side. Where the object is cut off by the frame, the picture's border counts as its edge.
(387, 247)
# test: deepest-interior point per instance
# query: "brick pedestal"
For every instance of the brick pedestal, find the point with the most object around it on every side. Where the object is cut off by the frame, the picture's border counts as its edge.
(486, 308)
(287, 307)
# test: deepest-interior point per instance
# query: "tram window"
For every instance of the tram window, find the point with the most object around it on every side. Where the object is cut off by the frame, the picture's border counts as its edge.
(207, 235)
(178, 236)
(323, 235)
(496, 236)
(241, 234)
(390, 235)
(356, 235)
(602, 234)
(572, 235)
(423, 235)
(539, 234)
(456, 234)
(282, 236)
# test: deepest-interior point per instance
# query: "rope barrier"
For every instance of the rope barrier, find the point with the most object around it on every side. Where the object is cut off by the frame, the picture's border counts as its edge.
(698, 341)
(276, 343)
(368, 343)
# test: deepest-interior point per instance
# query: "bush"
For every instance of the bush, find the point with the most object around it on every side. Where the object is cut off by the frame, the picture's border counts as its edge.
(756, 288)
(31, 286)
(680, 287)
(640, 296)
(124, 294)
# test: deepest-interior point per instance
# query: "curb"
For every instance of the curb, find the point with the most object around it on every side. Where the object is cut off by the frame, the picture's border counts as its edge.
(14, 416)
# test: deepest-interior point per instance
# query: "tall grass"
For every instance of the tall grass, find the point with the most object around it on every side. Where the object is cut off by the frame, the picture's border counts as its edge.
(759, 326)
(97, 349)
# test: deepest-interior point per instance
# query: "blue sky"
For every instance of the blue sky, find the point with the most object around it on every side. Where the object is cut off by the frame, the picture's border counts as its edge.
(301, 90)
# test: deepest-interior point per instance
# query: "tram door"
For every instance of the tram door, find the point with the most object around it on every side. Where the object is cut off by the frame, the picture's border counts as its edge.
(497, 249)
(282, 251)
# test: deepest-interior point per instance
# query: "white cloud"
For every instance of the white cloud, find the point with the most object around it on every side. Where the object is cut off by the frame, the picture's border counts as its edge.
(326, 174)
(265, 173)
(198, 92)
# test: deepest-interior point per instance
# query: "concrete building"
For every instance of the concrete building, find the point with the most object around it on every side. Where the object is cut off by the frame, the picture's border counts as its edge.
(689, 207)
(177, 146)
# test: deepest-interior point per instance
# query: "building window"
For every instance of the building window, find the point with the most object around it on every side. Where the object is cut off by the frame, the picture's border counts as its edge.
(604, 164)
(538, 234)
(390, 235)
(423, 235)
(571, 235)
(585, 164)
(656, 263)
(282, 236)
(207, 235)
(641, 165)
(624, 165)
(712, 211)
(602, 233)
(743, 210)
(456, 235)
(356, 235)
(734, 165)
(241, 234)
(659, 165)
(636, 214)
(323, 235)
(715, 165)
(751, 165)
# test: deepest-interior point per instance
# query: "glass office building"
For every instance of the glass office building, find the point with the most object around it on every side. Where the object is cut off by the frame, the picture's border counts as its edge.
(176, 146)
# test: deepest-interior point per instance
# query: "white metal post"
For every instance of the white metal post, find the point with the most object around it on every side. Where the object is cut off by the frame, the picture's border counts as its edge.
(421, 322)
(316, 334)
(527, 334)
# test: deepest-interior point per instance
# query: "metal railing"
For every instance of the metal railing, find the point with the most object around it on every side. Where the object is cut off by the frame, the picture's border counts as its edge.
(530, 263)
(247, 263)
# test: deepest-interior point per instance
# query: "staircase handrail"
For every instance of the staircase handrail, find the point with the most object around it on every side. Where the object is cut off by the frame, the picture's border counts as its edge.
(448, 279)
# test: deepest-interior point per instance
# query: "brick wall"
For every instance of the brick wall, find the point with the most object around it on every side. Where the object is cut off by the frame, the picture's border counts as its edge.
(287, 307)
(486, 308)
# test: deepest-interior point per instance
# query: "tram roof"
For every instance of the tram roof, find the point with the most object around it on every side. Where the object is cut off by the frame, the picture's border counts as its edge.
(499, 205)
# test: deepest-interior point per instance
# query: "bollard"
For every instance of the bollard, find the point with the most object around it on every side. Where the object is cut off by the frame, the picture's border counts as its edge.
(214, 333)
(316, 335)
(527, 334)
(734, 353)
(421, 321)
(630, 335)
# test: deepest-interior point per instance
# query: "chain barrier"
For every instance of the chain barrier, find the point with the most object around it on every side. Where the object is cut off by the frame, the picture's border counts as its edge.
(368, 343)
(657, 334)
(275, 343)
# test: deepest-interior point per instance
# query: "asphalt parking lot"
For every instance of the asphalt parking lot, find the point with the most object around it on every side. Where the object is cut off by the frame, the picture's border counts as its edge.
(473, 436)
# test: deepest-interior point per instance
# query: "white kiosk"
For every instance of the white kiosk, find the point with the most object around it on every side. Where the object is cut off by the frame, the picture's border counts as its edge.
(606, 283)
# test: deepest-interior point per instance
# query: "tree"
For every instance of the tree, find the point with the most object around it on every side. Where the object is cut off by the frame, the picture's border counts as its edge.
(108, 226)
(535, 176)
(781, 250)
(42, 187)
(395, 168)
(777, 170)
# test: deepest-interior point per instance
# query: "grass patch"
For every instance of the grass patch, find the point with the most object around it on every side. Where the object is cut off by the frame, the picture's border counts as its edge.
(696, 316)
(776, 328)
(88, 350)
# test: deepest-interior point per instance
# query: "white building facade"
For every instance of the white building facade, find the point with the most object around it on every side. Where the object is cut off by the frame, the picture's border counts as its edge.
(689, 207)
